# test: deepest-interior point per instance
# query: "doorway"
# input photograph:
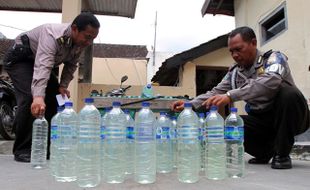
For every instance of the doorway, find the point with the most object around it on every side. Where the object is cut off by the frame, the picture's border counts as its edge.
(208, 77)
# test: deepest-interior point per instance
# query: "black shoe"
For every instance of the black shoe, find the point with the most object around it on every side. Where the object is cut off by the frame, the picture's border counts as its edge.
(281, 162)
(23, 157)
(258, 161)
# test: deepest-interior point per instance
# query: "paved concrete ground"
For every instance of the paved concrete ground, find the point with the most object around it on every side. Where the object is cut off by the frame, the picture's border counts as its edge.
(20, 176)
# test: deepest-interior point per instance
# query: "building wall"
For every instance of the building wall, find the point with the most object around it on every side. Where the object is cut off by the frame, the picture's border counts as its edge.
(110, 71)
(218, 58)
(294, 42)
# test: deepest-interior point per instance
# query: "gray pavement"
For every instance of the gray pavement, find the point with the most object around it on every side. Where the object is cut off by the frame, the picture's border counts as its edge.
(20, 176)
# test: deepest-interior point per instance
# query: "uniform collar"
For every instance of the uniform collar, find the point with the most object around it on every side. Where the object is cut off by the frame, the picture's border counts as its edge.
(67, 37)
(258, 59)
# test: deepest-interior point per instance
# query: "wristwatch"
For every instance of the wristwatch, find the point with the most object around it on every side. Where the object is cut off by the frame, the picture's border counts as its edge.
(228, 94)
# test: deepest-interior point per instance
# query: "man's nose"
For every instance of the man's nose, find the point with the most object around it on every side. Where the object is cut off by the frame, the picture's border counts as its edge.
(234, 55)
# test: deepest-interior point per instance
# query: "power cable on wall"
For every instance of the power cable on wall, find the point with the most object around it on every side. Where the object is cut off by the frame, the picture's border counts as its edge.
(138, 74)
(13, 27)
(110, 69)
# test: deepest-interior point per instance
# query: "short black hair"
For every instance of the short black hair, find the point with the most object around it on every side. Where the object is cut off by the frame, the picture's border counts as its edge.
(246, 33)
(84, 19)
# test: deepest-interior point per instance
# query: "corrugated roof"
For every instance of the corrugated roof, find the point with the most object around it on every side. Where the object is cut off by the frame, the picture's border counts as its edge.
(167, 75)
(224, 7)
(125, 8)
(99, 50)
(120, 51)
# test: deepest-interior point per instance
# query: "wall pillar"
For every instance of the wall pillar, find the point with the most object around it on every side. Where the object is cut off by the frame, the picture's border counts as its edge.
(70, 9)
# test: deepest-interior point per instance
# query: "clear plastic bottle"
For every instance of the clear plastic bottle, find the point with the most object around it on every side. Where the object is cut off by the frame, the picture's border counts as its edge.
(67, 146)
(114, 145)
(130, 143)
(202, 140)
(163, 144)
(88, 151)
(188, 146)
(145, 151)
(234, 133)
(216, 148)
(173, 137)
(147, 91)
(39, 143)
(54, 141)
(102, 137)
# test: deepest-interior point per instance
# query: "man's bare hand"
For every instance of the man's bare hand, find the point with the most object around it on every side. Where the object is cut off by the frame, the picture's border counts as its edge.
(217, 100)
(63, 91)
(38, 106)
(177, 106)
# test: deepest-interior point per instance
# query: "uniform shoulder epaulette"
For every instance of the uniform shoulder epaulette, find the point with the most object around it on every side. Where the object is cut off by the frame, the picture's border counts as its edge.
(267, 54)
(262, 58)
(61, 40)
(232, 67)
(64, 40)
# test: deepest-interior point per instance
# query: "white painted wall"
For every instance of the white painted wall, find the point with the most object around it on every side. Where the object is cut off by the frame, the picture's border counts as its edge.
(294, 42)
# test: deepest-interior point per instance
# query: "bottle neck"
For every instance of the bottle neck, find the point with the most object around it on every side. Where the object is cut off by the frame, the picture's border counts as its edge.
(68, 107)
(41, 117)
(213, 111)
(116, 107)
(188, 108)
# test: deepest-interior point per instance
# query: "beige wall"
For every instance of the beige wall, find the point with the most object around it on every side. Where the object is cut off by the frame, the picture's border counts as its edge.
(218, 58)
(294, 42)
(111, 70)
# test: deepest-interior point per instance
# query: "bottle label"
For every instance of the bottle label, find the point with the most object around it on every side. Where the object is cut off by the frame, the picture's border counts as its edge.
(188, 135)
(215, 134)
(54, 132)
(201, 135)
(67, 131)
(102, 132)
(234, 133)
(88, 134)
(188, 132)
(163, 133)
(145, 133)
(173, 133)
(130, 134)
(112, 133)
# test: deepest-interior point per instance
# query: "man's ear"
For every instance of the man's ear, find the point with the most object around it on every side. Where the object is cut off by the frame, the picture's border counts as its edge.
(74, 28)
(254, 41)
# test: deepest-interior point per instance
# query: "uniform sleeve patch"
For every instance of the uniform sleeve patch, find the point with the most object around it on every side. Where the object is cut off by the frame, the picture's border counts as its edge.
(276, 63)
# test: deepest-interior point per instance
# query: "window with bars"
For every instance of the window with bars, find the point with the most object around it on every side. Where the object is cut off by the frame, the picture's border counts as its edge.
(274, 24)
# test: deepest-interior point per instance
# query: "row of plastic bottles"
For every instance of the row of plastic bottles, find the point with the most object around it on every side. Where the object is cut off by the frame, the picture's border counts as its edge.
(220, 147)
(88, 148)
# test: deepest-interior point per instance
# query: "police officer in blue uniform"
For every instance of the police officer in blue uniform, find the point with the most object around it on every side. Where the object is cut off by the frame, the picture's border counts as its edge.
(277, 110)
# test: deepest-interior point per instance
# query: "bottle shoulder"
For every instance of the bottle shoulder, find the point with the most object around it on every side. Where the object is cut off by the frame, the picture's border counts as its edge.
(164, 121)
(40, 121)
(214, 116)
(89, 111)
(70, 113)
(145, 116)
